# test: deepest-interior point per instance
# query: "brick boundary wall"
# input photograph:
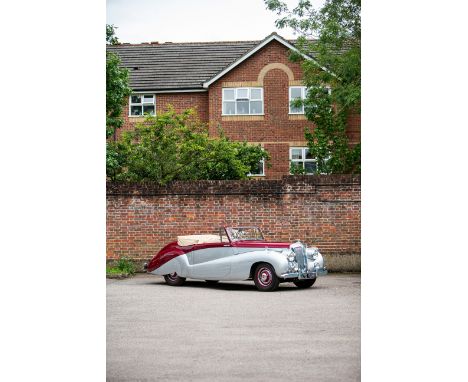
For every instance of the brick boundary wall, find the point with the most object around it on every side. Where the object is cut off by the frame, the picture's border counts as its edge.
(320, 210)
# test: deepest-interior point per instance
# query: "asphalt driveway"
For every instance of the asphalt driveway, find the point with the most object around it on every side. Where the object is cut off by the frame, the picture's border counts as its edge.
(231, 332)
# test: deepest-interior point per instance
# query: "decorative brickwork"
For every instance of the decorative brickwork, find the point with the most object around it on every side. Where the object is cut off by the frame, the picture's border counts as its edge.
(320, 210)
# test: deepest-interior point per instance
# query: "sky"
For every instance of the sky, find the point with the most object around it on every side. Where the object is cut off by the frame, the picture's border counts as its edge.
(194, 20)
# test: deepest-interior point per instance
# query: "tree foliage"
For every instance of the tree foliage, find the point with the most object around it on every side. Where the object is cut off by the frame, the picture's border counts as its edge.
(332, 36)
(172, 146)
(117, 87)
(111, 38)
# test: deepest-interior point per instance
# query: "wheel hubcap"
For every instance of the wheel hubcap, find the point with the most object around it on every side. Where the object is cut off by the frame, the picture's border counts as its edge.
(264, 277)
(172, 276)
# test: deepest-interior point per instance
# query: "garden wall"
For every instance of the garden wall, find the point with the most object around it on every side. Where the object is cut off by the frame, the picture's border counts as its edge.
(320, 210)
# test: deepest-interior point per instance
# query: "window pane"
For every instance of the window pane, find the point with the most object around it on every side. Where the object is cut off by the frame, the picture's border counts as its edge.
(136, 99)
(258, 170)
(228, 94)
(242, 93)
(296, 153)
(308, 155)
(256, 107)
(296, 93)
(136, 110)
(255, 94)
(242, 107)
(310, 167)
(229, 108)
(296, 110)
(148, 99)
(148, 109)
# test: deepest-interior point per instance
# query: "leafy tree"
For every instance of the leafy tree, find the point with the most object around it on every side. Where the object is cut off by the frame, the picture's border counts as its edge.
(171, 146)
(111, 38)
(117, 91)
(332, 35)
(117, 88)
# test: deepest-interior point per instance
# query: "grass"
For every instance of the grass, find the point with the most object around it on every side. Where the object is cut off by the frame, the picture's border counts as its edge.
(123, 268)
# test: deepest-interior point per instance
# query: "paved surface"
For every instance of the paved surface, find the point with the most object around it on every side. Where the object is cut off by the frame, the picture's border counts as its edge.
(231, 332)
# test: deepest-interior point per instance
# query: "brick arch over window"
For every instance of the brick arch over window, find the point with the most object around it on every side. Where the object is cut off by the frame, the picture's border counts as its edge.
(275, 65)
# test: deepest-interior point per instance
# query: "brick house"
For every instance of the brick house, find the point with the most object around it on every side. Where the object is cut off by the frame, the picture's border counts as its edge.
(244, 87)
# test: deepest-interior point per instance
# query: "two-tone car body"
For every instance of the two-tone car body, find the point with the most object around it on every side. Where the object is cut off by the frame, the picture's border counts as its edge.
(235, 254)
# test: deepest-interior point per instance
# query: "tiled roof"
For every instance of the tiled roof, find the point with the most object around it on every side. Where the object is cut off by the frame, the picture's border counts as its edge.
(178, 66)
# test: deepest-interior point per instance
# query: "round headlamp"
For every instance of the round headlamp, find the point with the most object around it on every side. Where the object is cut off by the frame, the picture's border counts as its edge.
(312, 253)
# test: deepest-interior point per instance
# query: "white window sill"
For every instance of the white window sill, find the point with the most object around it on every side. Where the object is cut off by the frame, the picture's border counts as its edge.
(240, 115)
(296, 113)
(252, 175)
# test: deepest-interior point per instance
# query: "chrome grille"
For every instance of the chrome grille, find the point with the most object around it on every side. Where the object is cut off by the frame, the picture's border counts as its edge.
(301, 258)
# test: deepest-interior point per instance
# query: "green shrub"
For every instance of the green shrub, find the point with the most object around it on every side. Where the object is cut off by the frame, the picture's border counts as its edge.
(124, 267)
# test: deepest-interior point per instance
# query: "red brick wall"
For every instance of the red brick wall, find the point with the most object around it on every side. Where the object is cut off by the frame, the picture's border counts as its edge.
(276, 125)
(183, 101)
(320, 210)
(180, 102)
(353, 129)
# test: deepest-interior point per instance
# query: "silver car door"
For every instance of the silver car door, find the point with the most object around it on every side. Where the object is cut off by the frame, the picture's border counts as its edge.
(211, 263)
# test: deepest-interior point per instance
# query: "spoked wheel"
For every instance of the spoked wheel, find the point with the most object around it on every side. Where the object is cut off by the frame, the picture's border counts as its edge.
(173, 279)
(304, 283)
(265, 278)
(212, 281)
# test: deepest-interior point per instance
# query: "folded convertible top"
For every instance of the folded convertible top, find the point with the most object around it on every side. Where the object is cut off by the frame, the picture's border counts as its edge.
(197, 239)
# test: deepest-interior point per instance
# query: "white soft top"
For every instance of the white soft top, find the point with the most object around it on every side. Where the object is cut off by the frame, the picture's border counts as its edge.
(197, 239)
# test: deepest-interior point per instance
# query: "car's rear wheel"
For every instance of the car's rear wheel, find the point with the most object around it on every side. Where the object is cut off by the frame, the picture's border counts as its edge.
(304, 283)
(212, 281)
(173, 279)
(265, 278)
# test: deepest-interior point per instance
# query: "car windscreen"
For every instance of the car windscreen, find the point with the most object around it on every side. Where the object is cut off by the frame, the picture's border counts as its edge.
(245, 233)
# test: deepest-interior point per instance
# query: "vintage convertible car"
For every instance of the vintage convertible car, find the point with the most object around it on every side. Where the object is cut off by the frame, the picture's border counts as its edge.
(235, 254)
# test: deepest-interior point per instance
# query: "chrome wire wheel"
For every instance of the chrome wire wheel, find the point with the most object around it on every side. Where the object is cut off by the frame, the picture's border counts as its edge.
(265, 278)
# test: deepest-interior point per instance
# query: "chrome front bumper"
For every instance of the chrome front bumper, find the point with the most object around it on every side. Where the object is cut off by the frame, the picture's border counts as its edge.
(309, 275)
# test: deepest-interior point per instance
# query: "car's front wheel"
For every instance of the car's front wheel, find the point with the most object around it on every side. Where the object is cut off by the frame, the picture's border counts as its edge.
(304, 283)
(265, 278)
(173, 279)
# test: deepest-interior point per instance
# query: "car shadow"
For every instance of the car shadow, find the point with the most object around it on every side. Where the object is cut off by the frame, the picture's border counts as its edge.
(226, 285)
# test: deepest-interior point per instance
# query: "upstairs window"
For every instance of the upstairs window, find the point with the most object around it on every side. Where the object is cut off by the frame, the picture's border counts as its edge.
(300, 92)
(295, 93)
(141, 104)
(302, 160)
(242, 101)
(259, 170)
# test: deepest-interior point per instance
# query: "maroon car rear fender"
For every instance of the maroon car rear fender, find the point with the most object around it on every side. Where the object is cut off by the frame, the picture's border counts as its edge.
(162, 258)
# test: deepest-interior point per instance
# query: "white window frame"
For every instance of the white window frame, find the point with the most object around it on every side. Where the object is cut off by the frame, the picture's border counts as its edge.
(303, 92)
(304, 160)
(236, 90)
(263, 170)
(303, 96)
(142, 103)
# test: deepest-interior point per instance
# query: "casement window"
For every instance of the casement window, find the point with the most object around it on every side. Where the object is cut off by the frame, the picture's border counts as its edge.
(242, 101)
(300, 92)
(295, 93)
(141, 104)
(259, 170)
(301, 158)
